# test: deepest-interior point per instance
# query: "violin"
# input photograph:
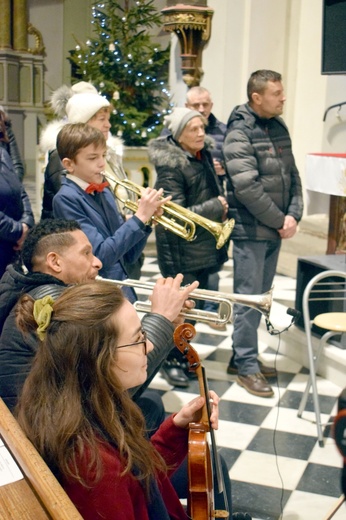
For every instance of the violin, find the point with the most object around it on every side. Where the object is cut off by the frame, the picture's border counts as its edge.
(203, 460)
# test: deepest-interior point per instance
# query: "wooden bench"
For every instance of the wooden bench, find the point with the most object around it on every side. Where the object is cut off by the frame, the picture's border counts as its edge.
(38, 495)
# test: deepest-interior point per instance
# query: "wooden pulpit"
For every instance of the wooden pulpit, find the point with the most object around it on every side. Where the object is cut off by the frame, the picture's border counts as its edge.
(326, 173)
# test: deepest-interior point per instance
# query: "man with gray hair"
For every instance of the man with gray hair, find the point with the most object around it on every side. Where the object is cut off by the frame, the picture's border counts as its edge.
(199, 98)
(266, 202)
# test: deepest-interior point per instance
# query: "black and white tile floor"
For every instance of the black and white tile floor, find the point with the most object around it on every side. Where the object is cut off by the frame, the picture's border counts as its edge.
(275, 463)
(277, 468)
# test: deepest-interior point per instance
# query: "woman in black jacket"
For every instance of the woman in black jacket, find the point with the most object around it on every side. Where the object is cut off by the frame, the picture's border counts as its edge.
(185, 171)
(9, 142)
(16, 215)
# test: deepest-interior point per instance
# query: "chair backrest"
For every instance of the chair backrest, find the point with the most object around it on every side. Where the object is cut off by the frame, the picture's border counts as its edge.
(39, 495)
(325, 292)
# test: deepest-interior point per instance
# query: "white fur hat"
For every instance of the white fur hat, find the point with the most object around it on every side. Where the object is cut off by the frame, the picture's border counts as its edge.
(61, 95)
(83, 86)
(82, 107)
(178, 119)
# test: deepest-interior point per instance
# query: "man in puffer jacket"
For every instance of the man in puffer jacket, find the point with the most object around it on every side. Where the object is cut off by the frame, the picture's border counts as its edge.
(266, 202)
(185, 171)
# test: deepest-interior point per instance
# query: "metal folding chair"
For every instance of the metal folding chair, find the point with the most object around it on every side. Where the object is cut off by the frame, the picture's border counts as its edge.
(328, 286)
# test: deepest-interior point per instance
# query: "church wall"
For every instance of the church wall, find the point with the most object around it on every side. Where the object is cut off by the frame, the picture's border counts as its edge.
(246, 35)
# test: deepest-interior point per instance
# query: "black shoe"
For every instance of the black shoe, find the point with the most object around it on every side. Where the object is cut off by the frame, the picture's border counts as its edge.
(189, 374)
(241, 516)
(174, 374)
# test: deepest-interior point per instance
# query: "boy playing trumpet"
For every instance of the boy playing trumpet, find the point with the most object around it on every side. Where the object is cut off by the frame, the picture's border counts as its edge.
(84, 197)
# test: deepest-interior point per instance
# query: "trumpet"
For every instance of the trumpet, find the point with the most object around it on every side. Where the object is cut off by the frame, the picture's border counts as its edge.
(259, 302)
(175, 218)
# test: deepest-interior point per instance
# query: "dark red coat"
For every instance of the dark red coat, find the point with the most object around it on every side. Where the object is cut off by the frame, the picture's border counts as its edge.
(117, 497)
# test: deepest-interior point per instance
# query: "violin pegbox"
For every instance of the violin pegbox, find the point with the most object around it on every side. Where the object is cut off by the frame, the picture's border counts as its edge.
(182, 336)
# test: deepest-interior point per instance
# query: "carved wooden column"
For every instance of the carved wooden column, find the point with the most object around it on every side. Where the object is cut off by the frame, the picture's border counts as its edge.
(20, 25)
(5, 24)
(191, 22)
(22, 76)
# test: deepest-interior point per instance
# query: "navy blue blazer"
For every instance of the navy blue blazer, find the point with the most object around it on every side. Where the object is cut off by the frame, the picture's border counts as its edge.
(113, 239)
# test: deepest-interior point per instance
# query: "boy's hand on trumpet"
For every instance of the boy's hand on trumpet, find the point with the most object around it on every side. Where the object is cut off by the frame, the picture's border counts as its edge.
(150, 203)
(169, 298)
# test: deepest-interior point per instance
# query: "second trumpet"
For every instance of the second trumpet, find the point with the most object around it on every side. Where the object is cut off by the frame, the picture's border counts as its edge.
(175, 218)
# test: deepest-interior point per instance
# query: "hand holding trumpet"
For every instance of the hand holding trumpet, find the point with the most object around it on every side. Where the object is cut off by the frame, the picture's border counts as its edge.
(169, 298)
(172, 216)
(150, 204)
(224, 207)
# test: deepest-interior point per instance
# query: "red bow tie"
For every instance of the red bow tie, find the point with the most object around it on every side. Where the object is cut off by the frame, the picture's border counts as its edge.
(96, 187)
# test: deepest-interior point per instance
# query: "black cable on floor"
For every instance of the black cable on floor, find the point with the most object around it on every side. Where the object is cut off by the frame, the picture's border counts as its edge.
(275, 430)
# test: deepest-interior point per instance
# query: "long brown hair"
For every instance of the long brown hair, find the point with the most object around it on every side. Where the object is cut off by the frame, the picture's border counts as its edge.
(72, 399)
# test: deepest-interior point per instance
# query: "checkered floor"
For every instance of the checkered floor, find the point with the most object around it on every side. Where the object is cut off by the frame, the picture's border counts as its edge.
(275, 463)
(277, 468)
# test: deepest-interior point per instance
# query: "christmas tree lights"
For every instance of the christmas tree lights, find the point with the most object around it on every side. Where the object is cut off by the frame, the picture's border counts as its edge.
(127, 67)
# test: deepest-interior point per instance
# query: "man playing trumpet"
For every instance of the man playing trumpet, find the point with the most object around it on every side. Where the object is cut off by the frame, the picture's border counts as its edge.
(84, 197)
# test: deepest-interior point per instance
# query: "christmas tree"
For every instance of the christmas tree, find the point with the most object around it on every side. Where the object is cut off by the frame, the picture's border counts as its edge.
(127, 67)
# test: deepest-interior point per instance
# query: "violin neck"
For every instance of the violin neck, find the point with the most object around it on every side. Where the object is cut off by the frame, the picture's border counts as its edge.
(204, 392)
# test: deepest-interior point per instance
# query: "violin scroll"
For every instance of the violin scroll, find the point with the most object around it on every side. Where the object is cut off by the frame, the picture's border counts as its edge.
(182, 336)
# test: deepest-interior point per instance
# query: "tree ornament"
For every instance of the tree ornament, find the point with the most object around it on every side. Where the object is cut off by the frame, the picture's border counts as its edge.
(130, 69)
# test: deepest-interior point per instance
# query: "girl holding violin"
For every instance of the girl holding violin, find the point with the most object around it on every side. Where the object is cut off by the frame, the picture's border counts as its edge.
(76, 410)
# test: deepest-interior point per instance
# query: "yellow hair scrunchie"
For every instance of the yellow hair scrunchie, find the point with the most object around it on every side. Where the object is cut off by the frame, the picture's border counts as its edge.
(42, 313)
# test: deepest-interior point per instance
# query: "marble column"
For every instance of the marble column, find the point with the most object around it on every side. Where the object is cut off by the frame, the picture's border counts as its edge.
(20, 23)
(5, 24)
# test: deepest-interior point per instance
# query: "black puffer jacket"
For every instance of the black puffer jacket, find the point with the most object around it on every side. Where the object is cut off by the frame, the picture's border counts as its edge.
(13, 150)
(14, 283)
(193, 184)
(264, 178)
(17, 352)
(15, 209)
(52, 182)
(218, 131)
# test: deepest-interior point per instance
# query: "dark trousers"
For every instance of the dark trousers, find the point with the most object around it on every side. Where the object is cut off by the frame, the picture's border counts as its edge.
(180, 483)
(254, 270)
(202, 276)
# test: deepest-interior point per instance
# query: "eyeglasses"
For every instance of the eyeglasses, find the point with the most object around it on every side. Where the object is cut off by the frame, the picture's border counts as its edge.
(142, 342)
